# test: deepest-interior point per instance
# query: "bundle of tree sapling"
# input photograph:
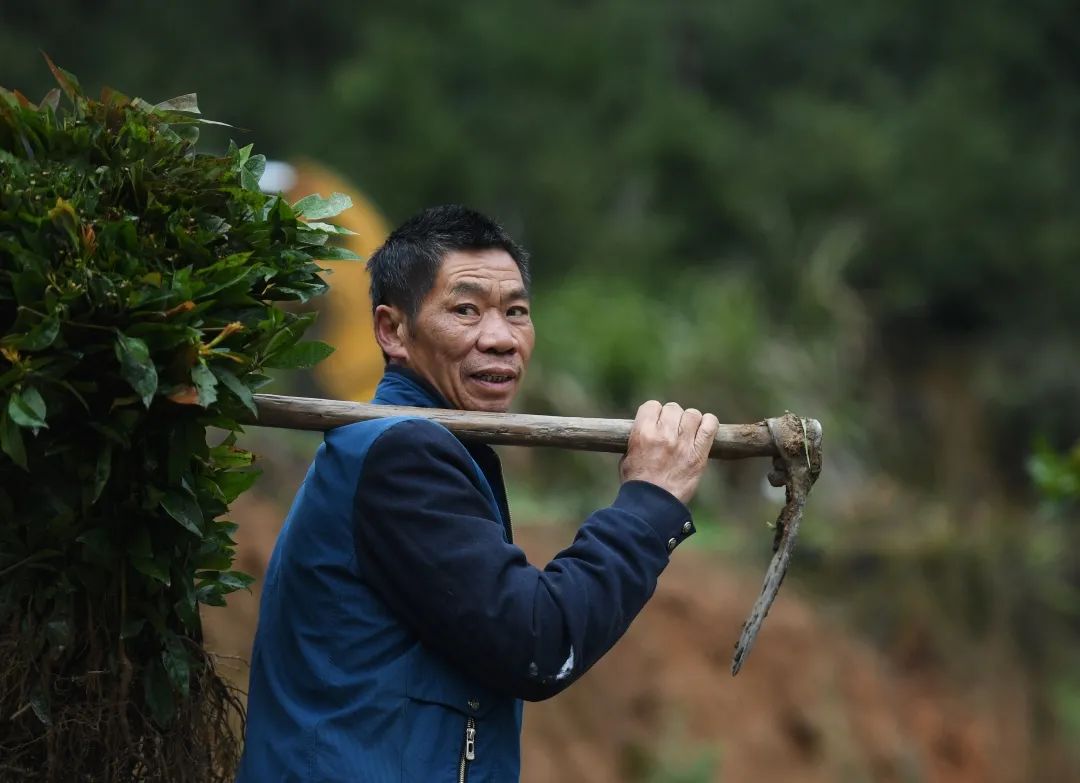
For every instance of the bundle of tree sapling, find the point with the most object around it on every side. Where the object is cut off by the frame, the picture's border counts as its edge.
(139, 290)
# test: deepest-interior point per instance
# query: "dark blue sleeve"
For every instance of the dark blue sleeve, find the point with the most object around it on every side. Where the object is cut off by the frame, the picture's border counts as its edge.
(429, 543)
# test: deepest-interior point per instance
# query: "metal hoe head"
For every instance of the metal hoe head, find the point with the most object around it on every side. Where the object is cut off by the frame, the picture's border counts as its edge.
(796, 468)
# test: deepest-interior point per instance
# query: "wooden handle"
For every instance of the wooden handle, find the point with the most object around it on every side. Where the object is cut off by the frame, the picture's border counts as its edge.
(733, 441)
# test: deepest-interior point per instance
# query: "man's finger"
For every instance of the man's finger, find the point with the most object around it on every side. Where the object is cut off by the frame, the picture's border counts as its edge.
(670, 416)
(706, 433)
(647, 413)
(691, 420)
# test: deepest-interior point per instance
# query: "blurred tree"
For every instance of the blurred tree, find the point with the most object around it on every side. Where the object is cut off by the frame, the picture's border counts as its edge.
(633, 139)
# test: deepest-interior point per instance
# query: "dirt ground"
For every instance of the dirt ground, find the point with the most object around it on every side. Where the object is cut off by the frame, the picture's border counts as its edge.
(811, 705)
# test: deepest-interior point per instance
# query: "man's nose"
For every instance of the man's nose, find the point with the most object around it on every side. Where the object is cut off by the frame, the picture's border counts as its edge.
(496, 336)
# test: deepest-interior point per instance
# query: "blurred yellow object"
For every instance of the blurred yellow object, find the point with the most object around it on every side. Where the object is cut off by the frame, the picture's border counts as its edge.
(353, 370)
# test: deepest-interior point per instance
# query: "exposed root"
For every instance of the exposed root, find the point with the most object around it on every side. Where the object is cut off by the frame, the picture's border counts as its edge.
(73, 724)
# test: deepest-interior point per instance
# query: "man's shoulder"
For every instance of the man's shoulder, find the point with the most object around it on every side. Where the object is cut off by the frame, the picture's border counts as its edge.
(415, 433)
(398, 437)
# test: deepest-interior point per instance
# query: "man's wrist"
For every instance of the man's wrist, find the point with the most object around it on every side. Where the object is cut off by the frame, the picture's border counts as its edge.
(663, 512)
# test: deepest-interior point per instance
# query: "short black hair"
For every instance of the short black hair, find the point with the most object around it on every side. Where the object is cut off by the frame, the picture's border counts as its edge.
(404, 269)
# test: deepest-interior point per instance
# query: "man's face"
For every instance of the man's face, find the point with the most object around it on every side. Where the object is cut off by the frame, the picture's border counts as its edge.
(473, 335)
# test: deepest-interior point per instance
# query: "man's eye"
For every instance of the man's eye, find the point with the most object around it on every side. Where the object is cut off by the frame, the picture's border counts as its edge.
(466, 309)
(517, 311)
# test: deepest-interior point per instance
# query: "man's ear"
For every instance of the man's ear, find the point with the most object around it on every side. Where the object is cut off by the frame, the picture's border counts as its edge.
(391, 332)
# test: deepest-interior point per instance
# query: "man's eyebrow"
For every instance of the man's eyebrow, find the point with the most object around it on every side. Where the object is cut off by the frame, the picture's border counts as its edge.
(467, 288)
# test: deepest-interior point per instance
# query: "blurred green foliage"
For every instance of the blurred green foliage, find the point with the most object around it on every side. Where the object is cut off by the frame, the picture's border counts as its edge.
(934, 148)
(1057, 475)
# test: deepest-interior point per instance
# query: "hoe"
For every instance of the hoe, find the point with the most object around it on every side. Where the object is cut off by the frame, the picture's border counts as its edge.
(793, 443)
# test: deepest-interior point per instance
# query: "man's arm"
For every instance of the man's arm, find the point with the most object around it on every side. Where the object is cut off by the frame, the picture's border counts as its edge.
(428, 542)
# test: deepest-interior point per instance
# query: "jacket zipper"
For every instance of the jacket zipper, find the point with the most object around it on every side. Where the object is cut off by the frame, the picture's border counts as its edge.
(468, 753)
(506, 506)
(509, 523)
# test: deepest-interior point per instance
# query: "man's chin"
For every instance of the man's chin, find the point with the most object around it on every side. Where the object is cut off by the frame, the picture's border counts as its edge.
(491, 403)
(489, 406)
(486, 399)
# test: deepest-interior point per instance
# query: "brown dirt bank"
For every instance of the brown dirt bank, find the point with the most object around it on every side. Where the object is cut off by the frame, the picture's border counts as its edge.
(811, 705)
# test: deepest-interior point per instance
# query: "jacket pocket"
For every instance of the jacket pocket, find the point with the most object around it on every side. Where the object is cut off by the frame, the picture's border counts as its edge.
(434, 682)
(445, 716)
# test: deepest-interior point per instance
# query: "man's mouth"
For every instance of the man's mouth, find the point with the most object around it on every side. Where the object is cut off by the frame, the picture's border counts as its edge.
(495, 378)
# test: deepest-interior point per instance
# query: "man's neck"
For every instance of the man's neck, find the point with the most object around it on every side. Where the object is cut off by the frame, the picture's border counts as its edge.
(421, 381)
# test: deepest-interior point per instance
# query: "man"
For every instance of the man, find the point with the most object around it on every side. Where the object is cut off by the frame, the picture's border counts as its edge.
(400, 627)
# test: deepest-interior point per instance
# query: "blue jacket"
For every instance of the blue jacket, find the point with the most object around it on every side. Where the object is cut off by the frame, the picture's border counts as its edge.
(400, 627)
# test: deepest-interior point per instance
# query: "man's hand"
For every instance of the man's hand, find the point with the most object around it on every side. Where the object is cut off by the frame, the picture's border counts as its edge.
(669, 447)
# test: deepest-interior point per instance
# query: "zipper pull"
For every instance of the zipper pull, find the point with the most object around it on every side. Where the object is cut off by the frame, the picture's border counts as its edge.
(470, 742)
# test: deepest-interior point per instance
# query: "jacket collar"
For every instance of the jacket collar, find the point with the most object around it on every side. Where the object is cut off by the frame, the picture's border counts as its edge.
(403, 386)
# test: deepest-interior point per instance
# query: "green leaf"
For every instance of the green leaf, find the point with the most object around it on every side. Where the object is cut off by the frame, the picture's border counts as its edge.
(185, 132)
(215, 559)
(182, 507)
(210, 593)
(241, 153)
(305, 354)
(186, 103)
(51, 99)
(41, 335)
(177, 662)
(102, 470)
(11, 439)
(315, 238)
(137, 367)
(39, 703)
(237, 387)
(29, 287)
(330, 228)
(58, 632)
(68, 83)
(315, 207)
(27, 409)
(186, 606)
(188, 440)
(205, 384)
(287, 336)
(159, 693)
(230, 457)
(235, 483)
(98, 547)
(155, 568)
(258, 380)
(235, 580)
(336, 253)
(251, 172)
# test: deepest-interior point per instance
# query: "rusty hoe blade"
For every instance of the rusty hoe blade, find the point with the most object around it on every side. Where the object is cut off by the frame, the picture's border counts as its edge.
(798, 442)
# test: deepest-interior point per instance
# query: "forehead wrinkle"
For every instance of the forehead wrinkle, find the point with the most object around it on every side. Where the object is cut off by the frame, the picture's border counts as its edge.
(467, 287)
(473, 288)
